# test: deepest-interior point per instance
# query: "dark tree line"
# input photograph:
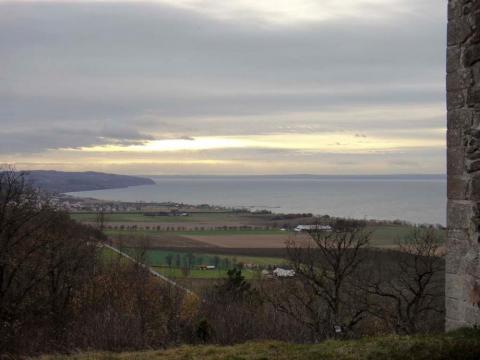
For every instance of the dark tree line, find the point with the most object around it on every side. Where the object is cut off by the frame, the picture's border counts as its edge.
(60, 290)
(44, 258)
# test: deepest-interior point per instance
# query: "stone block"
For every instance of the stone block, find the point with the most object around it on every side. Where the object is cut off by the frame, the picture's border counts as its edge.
(451, 324)
(471, 55)
(455, 160)
(470, 294)
(473, 97)
(475, 117)
(453, 58)
(475, 18)
(471, 141)
(464, 31)
(453, 9)
(457, 188)
(457, 236)
(473, 166)
(459, 214)
(471, 266)
(472, 315)
(475, 69)
(475, 188)
(455, 309)
(459, 119)
(455, 99)
(454, 256)
(455, 286)
(475, 5)
(459, 80)
(455, 137)
(452, 32)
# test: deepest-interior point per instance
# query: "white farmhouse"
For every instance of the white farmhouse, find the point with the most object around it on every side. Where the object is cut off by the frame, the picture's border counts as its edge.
(279, 272)
(301, 228)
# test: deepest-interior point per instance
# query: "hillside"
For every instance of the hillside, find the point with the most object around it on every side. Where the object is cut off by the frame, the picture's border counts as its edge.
(62, 182)
(463, 344)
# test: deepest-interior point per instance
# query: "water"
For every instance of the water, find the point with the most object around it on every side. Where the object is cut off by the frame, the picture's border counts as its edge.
(417, 199)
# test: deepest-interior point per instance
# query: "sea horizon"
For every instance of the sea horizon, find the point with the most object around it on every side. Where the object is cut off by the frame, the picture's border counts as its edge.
(409, 175)
(412, 198)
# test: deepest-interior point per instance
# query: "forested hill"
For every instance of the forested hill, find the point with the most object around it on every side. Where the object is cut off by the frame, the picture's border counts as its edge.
(62, 182)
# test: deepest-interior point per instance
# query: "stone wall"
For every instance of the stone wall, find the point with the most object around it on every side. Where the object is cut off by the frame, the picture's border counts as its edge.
(463, 164)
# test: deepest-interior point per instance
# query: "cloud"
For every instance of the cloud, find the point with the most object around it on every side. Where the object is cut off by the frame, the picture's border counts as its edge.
(282, 13)
(85, 74)
(274, 12)
(27, 141)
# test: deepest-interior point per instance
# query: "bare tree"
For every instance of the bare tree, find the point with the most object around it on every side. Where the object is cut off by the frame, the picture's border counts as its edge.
(323, 296)
(42, 257)
(23, 220)
(408, 291)
(100, 219)
(69, 254)
(233, 309)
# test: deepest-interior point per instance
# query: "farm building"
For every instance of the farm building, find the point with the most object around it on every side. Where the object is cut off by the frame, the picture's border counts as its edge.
(279, 272)
(301, 228)
(206, 267)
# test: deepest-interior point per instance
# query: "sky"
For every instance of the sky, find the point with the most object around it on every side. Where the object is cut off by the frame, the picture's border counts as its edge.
(224, 87)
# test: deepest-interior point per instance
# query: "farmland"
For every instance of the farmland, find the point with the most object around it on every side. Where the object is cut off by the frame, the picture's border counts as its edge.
(160, 257)
(179, 274)
(196, 219)
(178, 246)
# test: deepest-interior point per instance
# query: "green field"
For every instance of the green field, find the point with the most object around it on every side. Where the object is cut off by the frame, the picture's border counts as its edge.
(389, 235)
(138, 217)
(159, 257)
(130, 218)
(157, 260)
(176, 273)
(171, 261)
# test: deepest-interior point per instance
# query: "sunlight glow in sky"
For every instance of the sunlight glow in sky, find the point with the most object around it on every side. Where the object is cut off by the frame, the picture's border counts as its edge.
(223, 87)
(286, 12)
(326, 143)
(277, 12)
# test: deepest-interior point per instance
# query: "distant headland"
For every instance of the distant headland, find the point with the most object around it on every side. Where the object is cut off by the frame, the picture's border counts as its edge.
(62, 182)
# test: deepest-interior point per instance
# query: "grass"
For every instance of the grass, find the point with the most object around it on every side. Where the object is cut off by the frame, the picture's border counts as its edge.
(108, 256)
(459, 345)
(157, 260)
(130, 218)
(158, 257)
(388, 235)
(177, 273)
(138, 217)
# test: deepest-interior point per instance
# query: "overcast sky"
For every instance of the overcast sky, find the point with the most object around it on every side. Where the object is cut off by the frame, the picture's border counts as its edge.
(224, 87)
